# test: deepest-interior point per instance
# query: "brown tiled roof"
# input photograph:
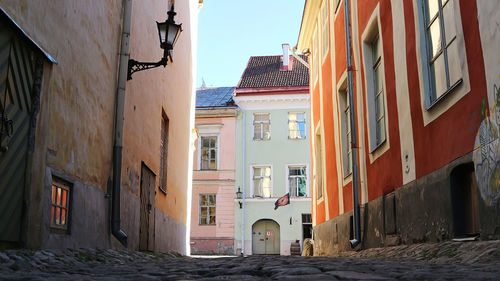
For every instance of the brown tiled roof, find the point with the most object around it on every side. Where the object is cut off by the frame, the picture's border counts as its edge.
(264, 71)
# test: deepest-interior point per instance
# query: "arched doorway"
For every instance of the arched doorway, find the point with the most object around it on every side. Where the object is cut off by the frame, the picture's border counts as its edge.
(266, 237)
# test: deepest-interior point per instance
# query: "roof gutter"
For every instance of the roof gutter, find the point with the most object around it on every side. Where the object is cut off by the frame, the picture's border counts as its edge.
(302, 61)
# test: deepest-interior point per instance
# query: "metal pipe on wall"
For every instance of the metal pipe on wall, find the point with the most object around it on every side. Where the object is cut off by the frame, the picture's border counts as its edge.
(244, 185)
(354, 146)
(119, 115)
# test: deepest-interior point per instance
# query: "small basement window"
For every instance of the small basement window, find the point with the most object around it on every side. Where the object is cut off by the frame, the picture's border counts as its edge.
(60, 204)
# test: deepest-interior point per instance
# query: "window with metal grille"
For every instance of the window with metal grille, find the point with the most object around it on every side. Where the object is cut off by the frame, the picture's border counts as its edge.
(261, 126)
(207, 209)
(60, 204)
(297, 181)
(262, 181)
(296, 125)
(164, 153)
(208, 153)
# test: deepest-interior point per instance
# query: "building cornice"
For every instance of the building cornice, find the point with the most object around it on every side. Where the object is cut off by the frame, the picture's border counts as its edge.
(271, 91)
(311, 11)
(215, 112)
(283, 101)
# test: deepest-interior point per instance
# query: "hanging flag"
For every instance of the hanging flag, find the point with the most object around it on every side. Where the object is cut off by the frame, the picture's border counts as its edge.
(282, 201)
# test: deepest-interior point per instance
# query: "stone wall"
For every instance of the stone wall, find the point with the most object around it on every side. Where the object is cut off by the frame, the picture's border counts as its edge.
(420, 211)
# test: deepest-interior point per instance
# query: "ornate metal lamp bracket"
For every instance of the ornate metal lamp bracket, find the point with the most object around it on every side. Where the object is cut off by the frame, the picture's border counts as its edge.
(134, 66)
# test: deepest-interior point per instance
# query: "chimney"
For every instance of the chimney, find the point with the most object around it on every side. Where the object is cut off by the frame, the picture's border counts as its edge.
(286, 57)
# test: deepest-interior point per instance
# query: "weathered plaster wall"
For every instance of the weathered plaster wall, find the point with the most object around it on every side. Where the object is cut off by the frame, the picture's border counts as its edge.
(149, 93)
(76, 121)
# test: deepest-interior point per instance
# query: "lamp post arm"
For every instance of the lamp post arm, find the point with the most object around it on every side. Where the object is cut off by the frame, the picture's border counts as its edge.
(134, 66)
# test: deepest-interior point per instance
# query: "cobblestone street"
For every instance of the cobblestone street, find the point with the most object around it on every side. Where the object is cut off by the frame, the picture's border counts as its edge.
(92, 264)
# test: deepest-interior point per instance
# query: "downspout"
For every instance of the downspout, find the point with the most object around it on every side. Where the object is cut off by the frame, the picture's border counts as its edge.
(120, 104)
(244, 185)
(354, 146)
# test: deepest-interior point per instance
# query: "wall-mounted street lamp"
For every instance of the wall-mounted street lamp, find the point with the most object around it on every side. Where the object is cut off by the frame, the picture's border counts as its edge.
(168, 32)
(239, 196)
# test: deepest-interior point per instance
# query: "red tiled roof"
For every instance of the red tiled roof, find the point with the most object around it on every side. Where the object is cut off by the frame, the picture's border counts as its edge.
(264, 71)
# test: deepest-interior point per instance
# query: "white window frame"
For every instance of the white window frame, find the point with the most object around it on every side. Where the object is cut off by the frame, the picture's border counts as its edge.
(372, 33)
(261, 123)
(306, 167)
(297, 121)
(318, 163)
(217, 146)
(325, 30)
(208, 209)
(252, 187)
(207, 130)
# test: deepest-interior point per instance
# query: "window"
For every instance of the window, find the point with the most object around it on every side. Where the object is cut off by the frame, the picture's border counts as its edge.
(207, 209)
(208, 152)
(297, 181)
(262, 181)
(163, 154)
(441, 70)
(345, 112)
(375, 90)
(319, 165)
(261, 126)
(325, 30)
(60, 204)
(315, 66)
(296, 125)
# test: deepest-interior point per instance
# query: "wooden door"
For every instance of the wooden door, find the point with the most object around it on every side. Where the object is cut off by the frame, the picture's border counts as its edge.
(266, 238)
(147, 216)
(20, 76)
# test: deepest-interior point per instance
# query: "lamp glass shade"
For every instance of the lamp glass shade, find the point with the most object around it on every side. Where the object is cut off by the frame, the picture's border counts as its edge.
(173, 33)
(239, 194)
(162, 32)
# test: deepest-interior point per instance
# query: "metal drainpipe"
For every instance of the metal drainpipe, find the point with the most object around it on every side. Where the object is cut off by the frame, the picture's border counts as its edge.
(244, 185)
(120, 103)
(354, 146)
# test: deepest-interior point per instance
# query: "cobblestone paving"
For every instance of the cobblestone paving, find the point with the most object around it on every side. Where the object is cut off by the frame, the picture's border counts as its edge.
(95, 264)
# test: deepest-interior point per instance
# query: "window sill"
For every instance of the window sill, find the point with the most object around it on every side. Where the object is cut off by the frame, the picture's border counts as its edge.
(444, 95)
(296, 138)
(162, 189)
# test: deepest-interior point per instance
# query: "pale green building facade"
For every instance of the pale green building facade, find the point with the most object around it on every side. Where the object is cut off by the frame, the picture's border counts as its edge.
(273, 159)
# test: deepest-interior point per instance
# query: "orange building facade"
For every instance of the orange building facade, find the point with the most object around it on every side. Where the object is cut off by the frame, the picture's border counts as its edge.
(424, 91)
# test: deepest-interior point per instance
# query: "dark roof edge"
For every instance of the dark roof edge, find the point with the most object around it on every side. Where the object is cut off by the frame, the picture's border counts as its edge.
(26, 36)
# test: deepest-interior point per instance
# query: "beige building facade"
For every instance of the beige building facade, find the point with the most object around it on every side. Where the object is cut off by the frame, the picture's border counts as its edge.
(70, 161)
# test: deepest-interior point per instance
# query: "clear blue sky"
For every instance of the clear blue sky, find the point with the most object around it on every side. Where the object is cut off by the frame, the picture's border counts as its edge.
(230, 31)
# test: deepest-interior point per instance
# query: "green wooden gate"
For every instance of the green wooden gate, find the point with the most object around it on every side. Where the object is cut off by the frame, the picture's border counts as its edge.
(18, 65)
